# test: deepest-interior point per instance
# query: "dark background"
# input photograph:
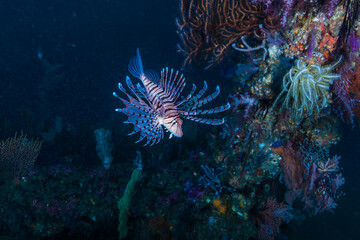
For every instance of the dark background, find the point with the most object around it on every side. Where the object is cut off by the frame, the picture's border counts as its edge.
(92, 43)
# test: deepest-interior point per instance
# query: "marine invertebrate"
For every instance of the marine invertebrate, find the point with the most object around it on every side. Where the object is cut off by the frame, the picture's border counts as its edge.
(347, 90)
(351, 15)
(104, 146)
(307, 87)
(18, 155)
(288, 6)
(211, 179)
(269, 219)
(316, 183)
(250, 49)
(124, 202)
(209, 28)
(156, 103)
(329, 7)
(244, 99)
(331, 165)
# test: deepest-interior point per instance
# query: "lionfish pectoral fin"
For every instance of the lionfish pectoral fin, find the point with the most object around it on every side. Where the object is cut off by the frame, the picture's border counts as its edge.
(135, 65)
(206, 120)
(117, 96)
(184, 100)
(208, 111)
(141, 89)
(140, 139)
(200, 93)
(207, 99)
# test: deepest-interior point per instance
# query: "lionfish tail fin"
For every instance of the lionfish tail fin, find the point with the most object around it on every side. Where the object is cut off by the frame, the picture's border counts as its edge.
(135, 65)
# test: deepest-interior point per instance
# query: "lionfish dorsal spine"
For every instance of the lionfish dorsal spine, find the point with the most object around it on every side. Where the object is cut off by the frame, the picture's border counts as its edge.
(179, 87)
(171, 84)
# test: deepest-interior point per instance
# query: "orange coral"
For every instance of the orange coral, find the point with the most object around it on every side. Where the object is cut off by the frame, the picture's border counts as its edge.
(208, 28)
(219, 206)
(328, 42)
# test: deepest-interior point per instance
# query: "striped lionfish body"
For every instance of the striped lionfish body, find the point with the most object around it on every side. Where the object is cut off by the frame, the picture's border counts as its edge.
(154, 104)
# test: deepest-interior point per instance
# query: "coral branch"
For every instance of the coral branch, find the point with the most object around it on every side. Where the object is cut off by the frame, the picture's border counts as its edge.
(208, 29)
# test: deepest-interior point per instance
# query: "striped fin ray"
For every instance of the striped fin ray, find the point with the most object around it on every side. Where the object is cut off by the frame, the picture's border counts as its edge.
(206, 120)
(155, 135)
(207, 99)
(144, 123)
(172, 83)
(153, 90)
(132, 99)
(163, 81)
(142, 90)
(208, 111)
(180, 85)
(135, 90)
(136, 103)
(152, 133)
(188, 96)
(141, 115)
(196, 97)
(166, 81)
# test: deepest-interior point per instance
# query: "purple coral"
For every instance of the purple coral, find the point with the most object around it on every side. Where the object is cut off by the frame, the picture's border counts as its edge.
(311, 45)
(267, 3)
(353, 41)
(345, 101)
(330, 6)
(316, 183)
(271, 217)
(326, 203)
(288, 6)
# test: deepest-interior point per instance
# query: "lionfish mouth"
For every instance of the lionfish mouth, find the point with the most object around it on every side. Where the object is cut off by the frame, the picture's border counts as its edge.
(175, 130)
(177, 133)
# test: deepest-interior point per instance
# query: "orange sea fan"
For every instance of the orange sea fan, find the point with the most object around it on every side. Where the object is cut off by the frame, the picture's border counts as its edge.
(208, 28)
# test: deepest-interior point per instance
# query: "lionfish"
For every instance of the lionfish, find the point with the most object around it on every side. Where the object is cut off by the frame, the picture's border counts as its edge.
(155, 103)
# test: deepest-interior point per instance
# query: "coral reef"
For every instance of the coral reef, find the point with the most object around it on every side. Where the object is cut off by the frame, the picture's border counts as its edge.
(268, 168)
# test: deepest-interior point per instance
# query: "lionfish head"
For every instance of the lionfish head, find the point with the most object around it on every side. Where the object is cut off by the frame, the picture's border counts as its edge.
(174, 125)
